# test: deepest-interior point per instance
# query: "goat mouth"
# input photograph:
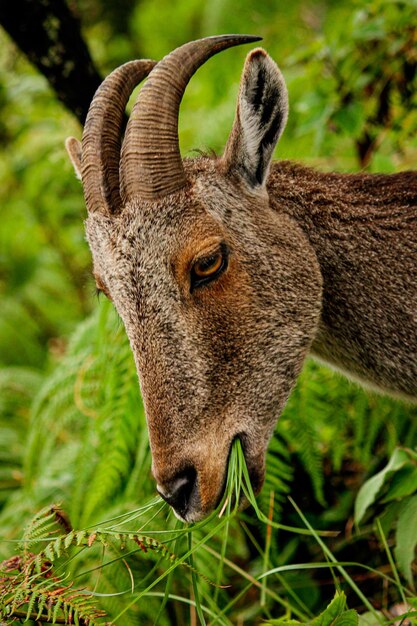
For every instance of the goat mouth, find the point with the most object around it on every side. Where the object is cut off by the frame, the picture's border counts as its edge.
(192, 510)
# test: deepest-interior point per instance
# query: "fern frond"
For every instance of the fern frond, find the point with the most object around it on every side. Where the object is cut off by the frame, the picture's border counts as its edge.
(47, 521)
(39, 595)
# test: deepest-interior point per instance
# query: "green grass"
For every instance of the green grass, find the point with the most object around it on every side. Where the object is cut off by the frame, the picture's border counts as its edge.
(57, 573)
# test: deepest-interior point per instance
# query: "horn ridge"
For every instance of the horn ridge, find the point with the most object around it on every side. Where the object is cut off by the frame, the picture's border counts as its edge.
(102, 136)
(151, 164)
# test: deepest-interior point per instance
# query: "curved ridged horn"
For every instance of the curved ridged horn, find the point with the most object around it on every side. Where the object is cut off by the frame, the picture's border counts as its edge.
(102, 136)
(151, 164)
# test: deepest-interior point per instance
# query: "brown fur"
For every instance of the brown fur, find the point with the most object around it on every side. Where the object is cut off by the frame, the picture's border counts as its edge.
(320, 262)
(363, 229)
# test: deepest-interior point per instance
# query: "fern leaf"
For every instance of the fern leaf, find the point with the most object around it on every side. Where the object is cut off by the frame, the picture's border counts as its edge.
(57, 608)
(31, 604)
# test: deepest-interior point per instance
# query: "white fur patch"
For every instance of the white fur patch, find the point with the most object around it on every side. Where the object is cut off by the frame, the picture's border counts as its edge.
(252, 131)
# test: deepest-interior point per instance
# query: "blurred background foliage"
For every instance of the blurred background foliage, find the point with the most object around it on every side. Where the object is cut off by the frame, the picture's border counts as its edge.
(72, 427)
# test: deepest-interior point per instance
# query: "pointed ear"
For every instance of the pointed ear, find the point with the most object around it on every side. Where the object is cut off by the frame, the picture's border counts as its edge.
(73, 147)
(261, 115)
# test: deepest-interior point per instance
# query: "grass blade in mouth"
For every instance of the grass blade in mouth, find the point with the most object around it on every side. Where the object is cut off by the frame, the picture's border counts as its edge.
(233, 491)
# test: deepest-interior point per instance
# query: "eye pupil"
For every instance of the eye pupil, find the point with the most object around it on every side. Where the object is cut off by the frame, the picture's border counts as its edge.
(209, 265)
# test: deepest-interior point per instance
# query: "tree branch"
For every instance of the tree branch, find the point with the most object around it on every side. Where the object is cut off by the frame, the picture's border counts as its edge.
(50, 36)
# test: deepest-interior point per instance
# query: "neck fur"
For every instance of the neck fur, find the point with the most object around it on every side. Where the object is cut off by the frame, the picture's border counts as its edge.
(363, 229)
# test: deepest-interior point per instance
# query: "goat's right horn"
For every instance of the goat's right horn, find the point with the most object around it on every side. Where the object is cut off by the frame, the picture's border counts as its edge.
(151, 165)
(102, 136)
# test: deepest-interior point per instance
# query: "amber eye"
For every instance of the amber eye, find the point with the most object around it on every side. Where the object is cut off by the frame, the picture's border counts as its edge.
(209, 265)
(207, 268)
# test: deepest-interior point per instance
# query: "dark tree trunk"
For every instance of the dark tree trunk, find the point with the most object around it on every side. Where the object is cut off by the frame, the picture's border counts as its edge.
(50, 35)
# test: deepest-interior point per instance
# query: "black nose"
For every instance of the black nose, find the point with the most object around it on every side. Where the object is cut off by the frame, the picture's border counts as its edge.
(178, 491)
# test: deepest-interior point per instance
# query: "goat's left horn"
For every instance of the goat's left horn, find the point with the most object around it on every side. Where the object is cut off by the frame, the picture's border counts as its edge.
(151, 165)
(102, 136)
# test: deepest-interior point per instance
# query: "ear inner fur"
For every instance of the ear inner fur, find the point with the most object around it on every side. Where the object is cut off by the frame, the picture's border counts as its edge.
(261, 115)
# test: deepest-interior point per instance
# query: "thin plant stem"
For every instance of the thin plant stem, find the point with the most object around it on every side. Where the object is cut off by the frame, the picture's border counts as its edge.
(194, 583)
(268, 540)
(168, 582)
(391, 561)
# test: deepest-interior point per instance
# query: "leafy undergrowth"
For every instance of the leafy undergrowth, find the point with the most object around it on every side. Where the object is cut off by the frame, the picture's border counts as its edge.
(61, 575)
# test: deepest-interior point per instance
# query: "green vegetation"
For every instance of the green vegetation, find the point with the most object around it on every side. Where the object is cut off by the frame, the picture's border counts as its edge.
(83, 536)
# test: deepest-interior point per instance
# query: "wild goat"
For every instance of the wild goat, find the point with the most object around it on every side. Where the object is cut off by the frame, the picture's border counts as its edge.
(228, 271)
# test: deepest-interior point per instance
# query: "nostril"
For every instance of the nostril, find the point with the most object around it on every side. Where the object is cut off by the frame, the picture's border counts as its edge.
(178, 491)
